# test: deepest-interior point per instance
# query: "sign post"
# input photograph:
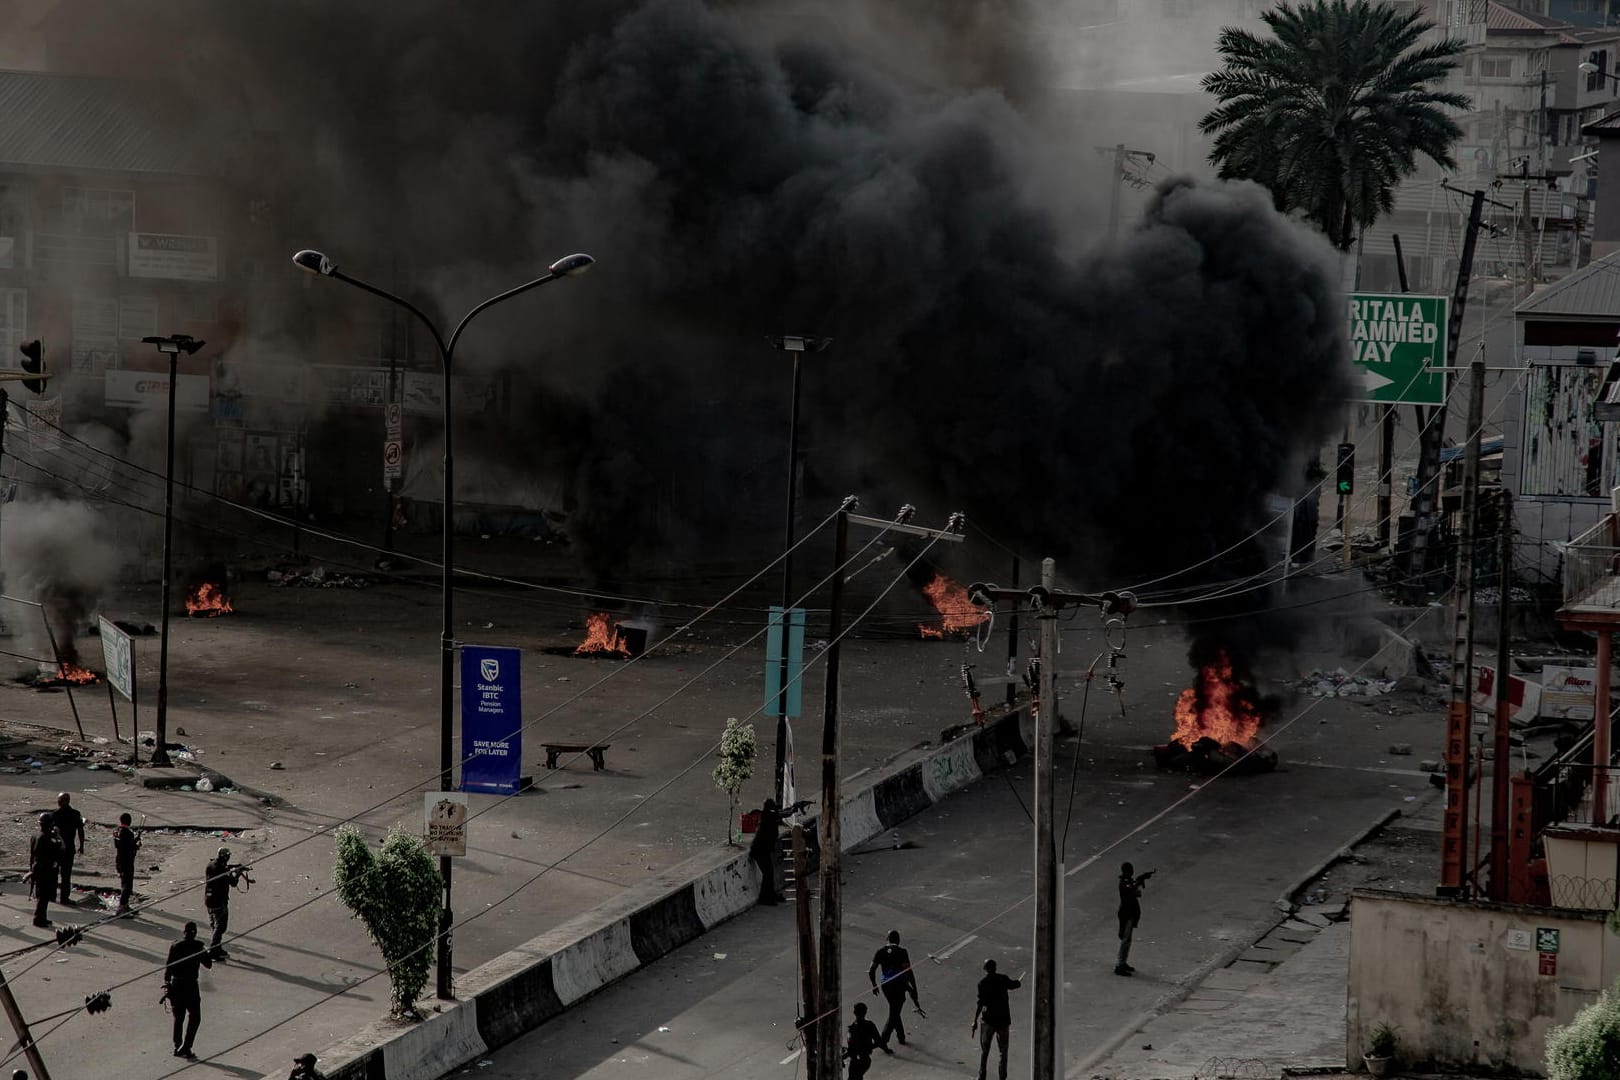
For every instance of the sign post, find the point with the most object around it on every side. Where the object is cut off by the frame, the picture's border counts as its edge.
(784, 662)
(444, 823)
(1398, 346)
(491, 719)
(118, 654)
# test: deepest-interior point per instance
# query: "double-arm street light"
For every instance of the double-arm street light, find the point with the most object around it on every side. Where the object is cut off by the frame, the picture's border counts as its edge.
(171, 346)
(316, 263)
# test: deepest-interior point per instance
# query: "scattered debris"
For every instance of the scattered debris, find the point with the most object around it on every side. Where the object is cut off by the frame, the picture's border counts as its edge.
(1340, 683)
(316, 577)
(1401, 749)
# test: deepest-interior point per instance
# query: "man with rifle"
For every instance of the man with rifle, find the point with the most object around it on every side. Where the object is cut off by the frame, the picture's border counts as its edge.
(220, 878)
(1130, 913)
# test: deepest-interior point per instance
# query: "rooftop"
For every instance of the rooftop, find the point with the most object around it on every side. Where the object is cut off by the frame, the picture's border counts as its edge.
(1590, 292)
(74, 122)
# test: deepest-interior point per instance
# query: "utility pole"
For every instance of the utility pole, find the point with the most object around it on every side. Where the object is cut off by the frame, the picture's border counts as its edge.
(1046, 996)
(1012, 641)
(1122, 154)
(1386, 433)
(828, 1016)
(1432, 428)
(25, 1039)
(1502, 749)
(1454, 875)
(810, 989)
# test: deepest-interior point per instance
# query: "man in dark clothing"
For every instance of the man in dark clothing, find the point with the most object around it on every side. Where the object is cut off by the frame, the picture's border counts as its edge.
(898, 980)
(304, 1068)
(1130, 913)
(70, 827)
(44, 861)
(863, 1039)
(762, 851)
(180, 987)
(996, 1014)
(218, 881)
(126, 842)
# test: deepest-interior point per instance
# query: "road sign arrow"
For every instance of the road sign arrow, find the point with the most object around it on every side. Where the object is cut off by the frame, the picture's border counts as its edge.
(1371, 380)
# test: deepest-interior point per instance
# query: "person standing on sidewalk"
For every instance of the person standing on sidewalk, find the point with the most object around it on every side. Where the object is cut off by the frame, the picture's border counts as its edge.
(44, 862)
(994, 1009)
(70, 827)
(898, 980)
(217, 883)
(181, 989)
(863, 1039)
(126, 842)
(1130, 913)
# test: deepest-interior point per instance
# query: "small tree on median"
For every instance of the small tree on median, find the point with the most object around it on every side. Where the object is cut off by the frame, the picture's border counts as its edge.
(397, 892)
(737, 749)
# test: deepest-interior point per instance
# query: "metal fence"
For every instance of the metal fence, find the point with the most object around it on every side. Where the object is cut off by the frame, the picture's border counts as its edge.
(1590, 560)
(1564, 795)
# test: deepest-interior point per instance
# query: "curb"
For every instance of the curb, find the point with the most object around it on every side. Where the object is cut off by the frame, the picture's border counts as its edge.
(516, 992)
(1182, 990)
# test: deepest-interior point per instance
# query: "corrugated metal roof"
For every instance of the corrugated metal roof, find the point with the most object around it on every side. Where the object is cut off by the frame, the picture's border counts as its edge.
(1593, 292)
(73, 122)
(1606, 125)
(1501, 17)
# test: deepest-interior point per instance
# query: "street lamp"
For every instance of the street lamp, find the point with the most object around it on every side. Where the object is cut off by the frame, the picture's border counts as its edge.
(1586, 67)
(796, 345)
(316, 263)
(171, 346)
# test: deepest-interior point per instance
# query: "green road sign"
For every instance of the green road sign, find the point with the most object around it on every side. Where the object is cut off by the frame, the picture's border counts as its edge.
(1397, 341)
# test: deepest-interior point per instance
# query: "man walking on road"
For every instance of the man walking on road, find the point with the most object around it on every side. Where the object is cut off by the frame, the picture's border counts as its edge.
(863, 1039)
(1130, 913)
(44, 859)
(70, 827)
(994, 1009)
(181, 989)
(126, 842)
(218, 880)
(898, 980)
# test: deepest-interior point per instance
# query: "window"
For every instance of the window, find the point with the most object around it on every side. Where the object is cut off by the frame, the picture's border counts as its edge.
(1496, 67)
(13, 319)
(1578, 5)
(97, 212)
(1485, 128)
(1600, 62)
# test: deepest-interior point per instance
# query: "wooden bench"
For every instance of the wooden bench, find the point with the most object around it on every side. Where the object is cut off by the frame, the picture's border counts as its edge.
(556, 749)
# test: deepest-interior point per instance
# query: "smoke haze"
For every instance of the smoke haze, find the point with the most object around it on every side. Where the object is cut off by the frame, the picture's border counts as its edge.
(859, 169)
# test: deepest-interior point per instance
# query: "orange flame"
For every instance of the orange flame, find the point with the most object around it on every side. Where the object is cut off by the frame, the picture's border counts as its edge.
(208, 599)
(1218, 707)
(958, 615)
(602, 636)
(73, 673)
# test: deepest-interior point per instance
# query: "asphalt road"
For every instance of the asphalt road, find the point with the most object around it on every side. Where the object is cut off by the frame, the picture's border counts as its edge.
(724, 1006)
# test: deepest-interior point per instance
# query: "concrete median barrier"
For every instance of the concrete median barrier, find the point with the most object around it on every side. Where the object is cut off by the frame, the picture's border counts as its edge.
(537, 981)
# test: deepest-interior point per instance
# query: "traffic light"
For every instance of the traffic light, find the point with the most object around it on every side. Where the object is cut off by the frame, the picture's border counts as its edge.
(1347, 468)
(33, 363)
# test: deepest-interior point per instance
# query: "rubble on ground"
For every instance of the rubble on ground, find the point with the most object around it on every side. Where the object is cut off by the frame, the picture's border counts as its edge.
(1340, 683)
(316, 577)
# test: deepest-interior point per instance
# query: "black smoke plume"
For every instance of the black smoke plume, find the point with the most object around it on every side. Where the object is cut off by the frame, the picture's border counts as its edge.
(741, 170)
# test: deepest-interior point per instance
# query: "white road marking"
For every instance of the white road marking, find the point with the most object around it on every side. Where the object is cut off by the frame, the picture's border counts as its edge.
(961, 943)
(791, 1058)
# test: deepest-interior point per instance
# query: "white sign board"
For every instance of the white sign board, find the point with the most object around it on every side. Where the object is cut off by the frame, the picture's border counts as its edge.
(178, 258)
(118, 652)
(150, 390)
(393, 460)
(444, 822)
(1518, 939)
(1568, 693)
(1523, 696)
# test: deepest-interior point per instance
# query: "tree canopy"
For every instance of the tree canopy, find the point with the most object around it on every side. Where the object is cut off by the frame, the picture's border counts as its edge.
(1333, 109)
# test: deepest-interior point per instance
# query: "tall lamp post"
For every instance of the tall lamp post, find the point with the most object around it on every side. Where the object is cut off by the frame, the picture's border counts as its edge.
(796, 345)
(171, 346)
(316, 263)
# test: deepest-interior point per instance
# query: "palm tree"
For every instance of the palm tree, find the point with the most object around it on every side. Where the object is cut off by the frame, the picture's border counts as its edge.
(1331, 112)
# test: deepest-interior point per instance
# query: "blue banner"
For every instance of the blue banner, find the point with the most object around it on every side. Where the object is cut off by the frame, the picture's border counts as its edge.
(795, 663)
(491, 719)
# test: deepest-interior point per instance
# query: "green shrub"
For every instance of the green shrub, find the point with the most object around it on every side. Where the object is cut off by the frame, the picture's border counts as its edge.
(1588, 1047)
(397, 892)
(1382, 1041)
(737, 748)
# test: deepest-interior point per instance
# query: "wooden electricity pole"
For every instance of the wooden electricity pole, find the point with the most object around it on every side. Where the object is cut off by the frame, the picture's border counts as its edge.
(1046, 996)
(25, 1038)
(810, 989)
(1455, 875)
(1502, 748)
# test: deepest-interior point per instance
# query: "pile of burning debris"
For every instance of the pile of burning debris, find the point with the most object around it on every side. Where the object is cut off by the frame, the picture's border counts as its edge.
(1340, 683)
(316, 577)
(608, 639)
(56, 676)
(207, 601)
(1218, 722)
(959, 616)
